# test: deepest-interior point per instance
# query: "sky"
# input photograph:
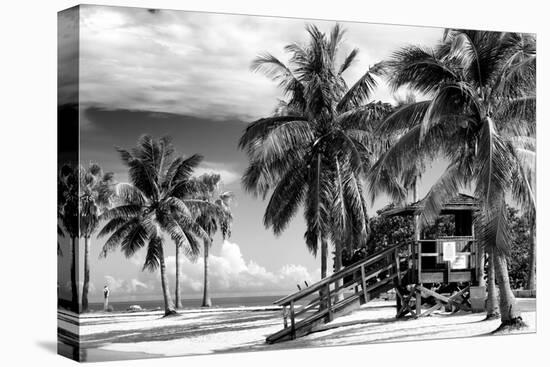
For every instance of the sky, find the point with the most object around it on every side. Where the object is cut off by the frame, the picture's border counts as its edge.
(187, 75)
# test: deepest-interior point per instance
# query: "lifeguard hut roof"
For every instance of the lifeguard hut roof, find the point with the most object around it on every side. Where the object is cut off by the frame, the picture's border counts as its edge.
(459, 203)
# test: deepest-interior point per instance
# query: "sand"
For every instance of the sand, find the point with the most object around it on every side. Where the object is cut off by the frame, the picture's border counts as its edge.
(245, 329)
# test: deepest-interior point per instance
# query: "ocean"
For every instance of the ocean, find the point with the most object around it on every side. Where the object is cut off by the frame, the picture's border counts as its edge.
(247, 301)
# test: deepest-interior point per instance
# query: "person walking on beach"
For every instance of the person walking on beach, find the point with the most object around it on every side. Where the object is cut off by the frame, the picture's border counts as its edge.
(105, 298)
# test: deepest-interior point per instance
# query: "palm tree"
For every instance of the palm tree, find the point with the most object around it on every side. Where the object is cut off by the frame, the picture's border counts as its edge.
(314, 150)
(154, 205)
(67, 201)
(211, 219)
(480, 109)
(96, 192)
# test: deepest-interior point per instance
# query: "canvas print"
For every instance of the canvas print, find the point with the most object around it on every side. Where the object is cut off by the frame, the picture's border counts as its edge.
(233, 183)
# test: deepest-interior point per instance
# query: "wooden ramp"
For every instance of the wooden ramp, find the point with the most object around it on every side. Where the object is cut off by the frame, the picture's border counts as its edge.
(341, 293)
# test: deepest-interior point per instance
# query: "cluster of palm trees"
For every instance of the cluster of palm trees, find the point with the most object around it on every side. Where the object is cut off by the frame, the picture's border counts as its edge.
(328, 146)
(330, 149)
(163, 200)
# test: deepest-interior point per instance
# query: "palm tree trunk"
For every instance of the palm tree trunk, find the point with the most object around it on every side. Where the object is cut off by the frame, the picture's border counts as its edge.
(86, 274)
(510, 315)
(74, 286)
(532, 279)
(491, 305)
(415, 185)
(324, 255)
(338, 267)
(206, 301)
(178, 277)
(168, 305)
(417, 228)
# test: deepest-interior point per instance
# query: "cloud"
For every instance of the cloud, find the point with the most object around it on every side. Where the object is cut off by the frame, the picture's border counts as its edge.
(198, 64)
(228, 176)
(125, 286)
(231, 274)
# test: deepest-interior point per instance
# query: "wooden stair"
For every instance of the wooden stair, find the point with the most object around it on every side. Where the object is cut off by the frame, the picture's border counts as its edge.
(328, 300)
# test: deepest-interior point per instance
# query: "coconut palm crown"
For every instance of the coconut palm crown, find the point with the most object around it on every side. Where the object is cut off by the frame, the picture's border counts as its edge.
(67, 212)
(153, 206)
(96, 191)
(314, 150)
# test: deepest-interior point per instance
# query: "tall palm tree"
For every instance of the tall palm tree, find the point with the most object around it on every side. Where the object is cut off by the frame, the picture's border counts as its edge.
(153, 206)
(96, 192)
(314, 150)
(67, 201)
(480, 108)
(211, 219)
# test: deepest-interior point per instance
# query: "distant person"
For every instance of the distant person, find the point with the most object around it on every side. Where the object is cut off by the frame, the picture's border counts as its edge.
(106, 298)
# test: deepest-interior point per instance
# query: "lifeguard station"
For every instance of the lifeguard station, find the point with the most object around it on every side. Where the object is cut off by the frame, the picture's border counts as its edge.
(440, 270)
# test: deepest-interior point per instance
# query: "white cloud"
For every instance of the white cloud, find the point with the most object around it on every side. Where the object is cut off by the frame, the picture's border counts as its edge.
(125, 286)
(230, 273)
(227, 174)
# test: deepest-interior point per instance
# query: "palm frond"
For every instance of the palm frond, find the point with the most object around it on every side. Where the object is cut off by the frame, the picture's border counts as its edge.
(449, 100)
(464, 51)
(123, 211)
(182, 169)
(360, 92)
(258, 130)
(445, 188)
(335, 39)
(111, 226)
(495, 163)
(364, 117)
(290, 136)
(403, 118)
(348, 61)
(141, 173)
(276, 70)
(129, 194)
(134, 240)
(317, 200)
(418, 68)
(493, 227)
(285, 200)
(154, 253)
(118, 235)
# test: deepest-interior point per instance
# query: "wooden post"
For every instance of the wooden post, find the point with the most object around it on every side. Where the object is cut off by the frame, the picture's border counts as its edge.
(398, 298)
(448, 273)
(419, 262)
(292, 323)
(418, 297)
(285, 317)
(329, 303)
(397, 266)
(364, 283)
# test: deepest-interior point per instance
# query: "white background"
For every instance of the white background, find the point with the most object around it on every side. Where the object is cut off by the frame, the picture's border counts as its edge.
(28, 186)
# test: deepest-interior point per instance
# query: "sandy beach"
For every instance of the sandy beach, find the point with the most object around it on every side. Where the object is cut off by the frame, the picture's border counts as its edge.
(206, 331)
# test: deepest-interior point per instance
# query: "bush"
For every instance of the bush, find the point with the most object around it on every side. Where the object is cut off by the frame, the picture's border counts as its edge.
(518, 263)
